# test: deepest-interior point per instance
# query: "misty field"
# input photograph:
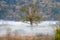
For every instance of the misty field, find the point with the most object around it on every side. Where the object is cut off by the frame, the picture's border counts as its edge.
(46, 30)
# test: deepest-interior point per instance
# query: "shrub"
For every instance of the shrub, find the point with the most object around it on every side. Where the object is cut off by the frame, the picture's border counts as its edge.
(57, 35)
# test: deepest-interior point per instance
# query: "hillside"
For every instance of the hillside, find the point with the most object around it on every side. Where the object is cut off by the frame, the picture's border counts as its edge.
(10, 9)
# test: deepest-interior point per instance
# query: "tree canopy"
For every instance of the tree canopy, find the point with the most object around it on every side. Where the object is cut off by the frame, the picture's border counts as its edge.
(31, 12)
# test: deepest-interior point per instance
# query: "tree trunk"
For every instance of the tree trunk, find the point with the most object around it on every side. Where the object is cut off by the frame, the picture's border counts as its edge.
(31, 23)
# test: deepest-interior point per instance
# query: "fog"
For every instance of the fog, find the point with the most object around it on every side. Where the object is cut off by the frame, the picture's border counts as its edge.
(25, 28)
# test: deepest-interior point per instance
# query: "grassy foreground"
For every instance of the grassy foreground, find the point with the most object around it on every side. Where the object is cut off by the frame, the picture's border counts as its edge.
(33, 37)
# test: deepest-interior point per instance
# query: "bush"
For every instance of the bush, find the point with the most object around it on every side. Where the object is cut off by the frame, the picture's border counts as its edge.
(57, 35)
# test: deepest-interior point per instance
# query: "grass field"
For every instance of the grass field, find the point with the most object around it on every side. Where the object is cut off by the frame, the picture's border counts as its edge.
(32, 37)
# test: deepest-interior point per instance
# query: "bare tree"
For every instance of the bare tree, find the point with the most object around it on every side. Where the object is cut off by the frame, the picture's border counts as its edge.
(31, 12)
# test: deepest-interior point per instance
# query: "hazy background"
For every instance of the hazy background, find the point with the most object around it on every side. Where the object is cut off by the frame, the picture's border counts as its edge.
(10, 9)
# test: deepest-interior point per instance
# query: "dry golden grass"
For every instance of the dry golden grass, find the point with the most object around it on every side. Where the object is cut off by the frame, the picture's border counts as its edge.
(18, 37)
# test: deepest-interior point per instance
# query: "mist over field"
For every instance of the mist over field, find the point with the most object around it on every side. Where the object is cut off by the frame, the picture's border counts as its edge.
(24, 28)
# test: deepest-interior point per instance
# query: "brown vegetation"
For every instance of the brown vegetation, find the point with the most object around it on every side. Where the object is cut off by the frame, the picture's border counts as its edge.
(26, 37)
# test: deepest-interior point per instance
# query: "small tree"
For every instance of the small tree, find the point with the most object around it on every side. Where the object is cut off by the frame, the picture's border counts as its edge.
(31, 12)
